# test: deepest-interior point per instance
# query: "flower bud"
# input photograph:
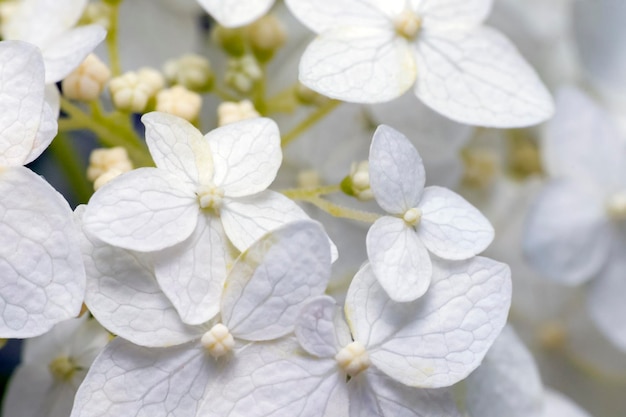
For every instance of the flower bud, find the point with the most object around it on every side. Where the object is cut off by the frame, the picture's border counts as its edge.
(98, 13)
(103, 160)
(191, 71)
(266, 36)
(87, 81)
(357, 184)
(179, 101)
(242, 73)
(231, 40)
(230, 112)
(132, 90)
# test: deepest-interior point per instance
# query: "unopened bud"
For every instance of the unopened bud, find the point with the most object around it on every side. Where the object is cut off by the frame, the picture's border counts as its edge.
(106, 177)
(98, 13)
(106, 159)
(180, 102)
(353, 359)
(230, 112)
(357, 184)
(231, 40)
(242, 73)
(87, 81)
(191, 71)
(266, 36)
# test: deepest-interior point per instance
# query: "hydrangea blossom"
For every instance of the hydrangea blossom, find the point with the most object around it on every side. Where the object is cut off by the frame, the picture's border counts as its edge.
(375, 50)
(376, 364)
(43, 278)
(233, 13)
(205, 193)
(265, 290)
(53, 366)
(421, 220)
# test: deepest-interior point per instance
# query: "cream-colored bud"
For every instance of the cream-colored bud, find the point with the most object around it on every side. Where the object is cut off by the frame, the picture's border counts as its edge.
(191, 71)
(218, 341)
(230, 112)
(105, 159)
(412, 216)
(152, 78)
(309, 178)
(179, 101)
(62, 368)
(242, 73)
(98, 13)
(266, 36)
(353, 359)
(357, 184)
(106, 177)
(407, 24)
(87, 81)
(210, 196)
(129, 93)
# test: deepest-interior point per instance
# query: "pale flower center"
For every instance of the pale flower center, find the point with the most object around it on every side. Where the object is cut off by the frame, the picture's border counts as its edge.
(616, 206)
(353, 359)
(218, 341)
(210, 196)
(407, 24)
(412, 216)
(62, 368)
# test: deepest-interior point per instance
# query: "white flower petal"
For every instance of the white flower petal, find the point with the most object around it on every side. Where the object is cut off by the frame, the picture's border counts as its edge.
(399, 259)
(478, 77)
(43, 278)
(48, 125)
(234, 13)
(277, 379)
(270, 282)
(247, 156)
(358, 64)
(40, 21)
(178, 147)
(397, 174)
(583, 143)
(606, 297)
(123, 294)
(192, 273)
(450, 227)
(567, 235)
(321, 329)
(132, 380)
(70, 49)
(21, 100)
(452, 14)
(374, 394)
(557, 405)
(331, 14)
(146, 209)
(507, 383)
(33, 392)
(439, 339)
(246, 219)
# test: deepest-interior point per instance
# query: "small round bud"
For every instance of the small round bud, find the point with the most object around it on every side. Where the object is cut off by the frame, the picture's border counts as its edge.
(87, 81)
(151, 78)
(98, 13)
(353, 359)
(481, 167)
(231, 40)
(106, 177)
(180, 102)
(308, 178)
(218, 341)
(129, 93)
(412, 216)
(552, 335)
(357, 184)
(62, 368)
(210, 196)
(407, 24)
(230, 112)
(191, 71)
(242, 73)
(105, 159)
(266, 36)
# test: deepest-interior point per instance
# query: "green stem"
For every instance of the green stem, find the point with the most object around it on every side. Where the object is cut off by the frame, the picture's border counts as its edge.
(112, 41)
(319, 113)
(110, 130)
(63, 151)
(304, 193)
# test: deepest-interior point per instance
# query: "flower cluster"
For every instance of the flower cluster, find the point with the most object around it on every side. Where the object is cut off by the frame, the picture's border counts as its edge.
(272, 225)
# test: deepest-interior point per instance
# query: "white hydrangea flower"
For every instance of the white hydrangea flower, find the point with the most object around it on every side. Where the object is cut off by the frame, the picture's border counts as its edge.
(50, 24)
(205, 192)
(374, 364)
(375, 50)
(266, 288)
(422, 220)
(43, 278)
(53, 366)
(234, 13)
(575, 229)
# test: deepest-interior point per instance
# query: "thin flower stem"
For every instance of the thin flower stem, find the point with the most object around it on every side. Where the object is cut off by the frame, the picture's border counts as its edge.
(312, 195)
(311, 120)
(63, 151)
(112, 42)
(109, 130)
